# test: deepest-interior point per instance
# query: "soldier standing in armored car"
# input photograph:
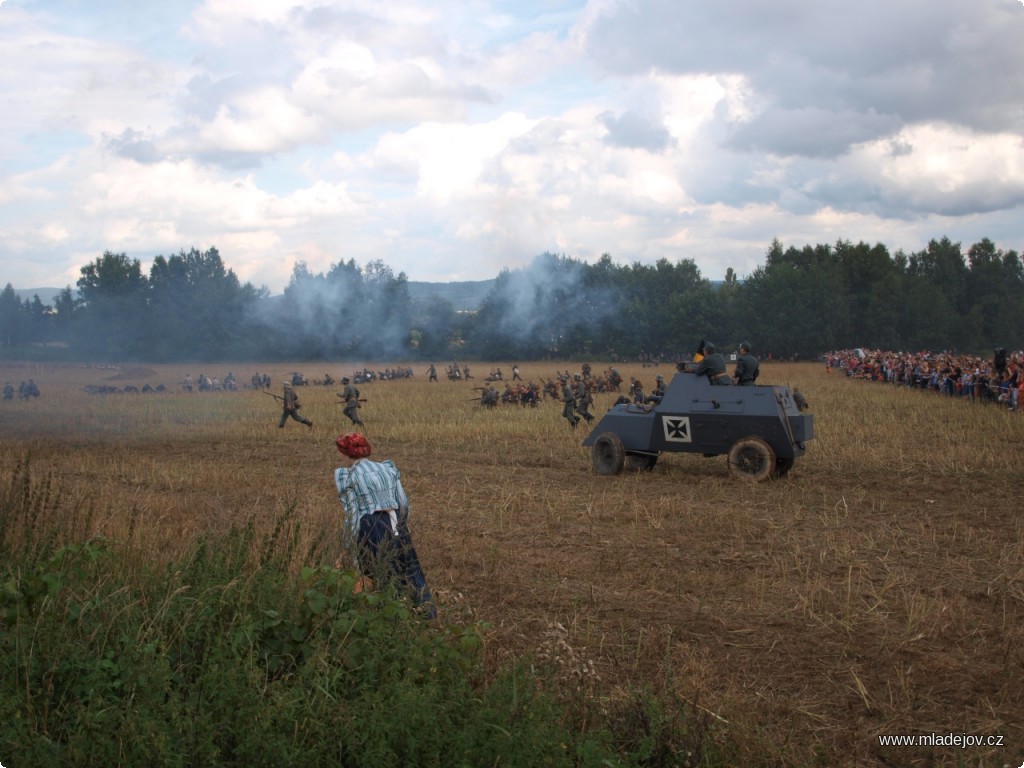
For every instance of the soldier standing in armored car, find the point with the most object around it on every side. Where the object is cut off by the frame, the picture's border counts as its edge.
(713, 366)
(747, 367)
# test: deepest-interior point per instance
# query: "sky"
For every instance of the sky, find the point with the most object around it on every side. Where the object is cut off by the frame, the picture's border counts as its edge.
(455, 138)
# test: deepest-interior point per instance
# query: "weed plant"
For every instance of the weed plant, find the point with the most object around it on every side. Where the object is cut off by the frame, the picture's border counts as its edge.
(222, 657)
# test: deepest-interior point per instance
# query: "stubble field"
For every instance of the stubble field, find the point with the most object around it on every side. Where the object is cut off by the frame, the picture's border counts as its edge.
(876, 589)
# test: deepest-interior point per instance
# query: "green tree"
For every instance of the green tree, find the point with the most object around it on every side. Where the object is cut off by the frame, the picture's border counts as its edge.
(114, 311)
(991, 297)
(349, 312)
(942, 264)
(1013, 280)
(65, 306)
(38, 319)
(873, 286)
(604, 291)
(390, 315)
(437, 329)
(12, 318)
(540, 311)
(736, 323)
(194, 291)
(927, 318)
(798, 297)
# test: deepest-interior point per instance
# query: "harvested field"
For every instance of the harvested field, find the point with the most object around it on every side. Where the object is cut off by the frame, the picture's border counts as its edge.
(877, 589)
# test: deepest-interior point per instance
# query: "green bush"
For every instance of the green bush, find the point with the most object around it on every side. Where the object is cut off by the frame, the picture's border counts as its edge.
(224, 659)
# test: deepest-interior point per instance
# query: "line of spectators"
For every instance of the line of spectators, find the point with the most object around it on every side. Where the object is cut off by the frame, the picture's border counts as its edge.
(998, 380)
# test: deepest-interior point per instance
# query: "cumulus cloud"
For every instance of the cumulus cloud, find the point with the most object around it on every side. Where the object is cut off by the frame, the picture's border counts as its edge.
(887, 63)
(452, 139)
(810, 131)
(636, 131)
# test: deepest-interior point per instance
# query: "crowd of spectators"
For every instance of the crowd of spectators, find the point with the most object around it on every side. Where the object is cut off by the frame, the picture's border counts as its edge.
(998, 380)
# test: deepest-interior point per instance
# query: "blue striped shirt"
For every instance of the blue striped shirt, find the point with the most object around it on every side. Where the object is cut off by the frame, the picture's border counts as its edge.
(368, 486)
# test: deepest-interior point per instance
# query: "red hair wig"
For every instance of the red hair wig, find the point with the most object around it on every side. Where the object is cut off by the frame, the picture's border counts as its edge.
(354, 445)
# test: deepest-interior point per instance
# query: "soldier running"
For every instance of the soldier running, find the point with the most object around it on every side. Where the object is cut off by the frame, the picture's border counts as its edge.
(569, 404)
(351, 397)
(291, 407)
(583, 398)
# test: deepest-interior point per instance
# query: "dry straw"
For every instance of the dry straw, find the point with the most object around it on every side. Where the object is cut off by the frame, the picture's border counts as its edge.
(879, 587)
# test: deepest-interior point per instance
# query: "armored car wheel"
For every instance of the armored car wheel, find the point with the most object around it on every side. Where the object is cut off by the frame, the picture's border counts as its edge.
(639, 462)
(782, 466)
(608, 454)
(751, 459)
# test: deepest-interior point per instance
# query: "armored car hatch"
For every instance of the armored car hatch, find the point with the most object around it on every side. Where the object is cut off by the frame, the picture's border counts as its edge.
(760, 428)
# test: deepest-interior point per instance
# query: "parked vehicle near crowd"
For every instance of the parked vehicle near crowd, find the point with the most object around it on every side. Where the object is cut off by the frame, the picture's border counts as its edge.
(760, 428)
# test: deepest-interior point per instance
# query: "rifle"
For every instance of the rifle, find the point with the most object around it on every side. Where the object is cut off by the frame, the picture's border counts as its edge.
(292, 409)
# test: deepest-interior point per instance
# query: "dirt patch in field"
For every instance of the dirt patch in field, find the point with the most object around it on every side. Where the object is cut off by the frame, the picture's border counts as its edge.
(816, 617)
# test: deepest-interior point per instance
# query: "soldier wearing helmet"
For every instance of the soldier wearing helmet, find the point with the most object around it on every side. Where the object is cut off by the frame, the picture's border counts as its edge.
(658, 392)
(583, 398)
(747, 366)
(290, 403)
(350, 394)
(713, 366)
(636, 388)
(569, 403)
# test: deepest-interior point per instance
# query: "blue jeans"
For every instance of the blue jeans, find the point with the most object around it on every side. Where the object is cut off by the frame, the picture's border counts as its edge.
(385, 557)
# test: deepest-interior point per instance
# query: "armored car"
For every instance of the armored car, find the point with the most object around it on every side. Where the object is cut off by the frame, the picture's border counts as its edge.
(759, 428)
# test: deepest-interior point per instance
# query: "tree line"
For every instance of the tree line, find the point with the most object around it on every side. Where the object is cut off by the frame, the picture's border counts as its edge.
(799, 303)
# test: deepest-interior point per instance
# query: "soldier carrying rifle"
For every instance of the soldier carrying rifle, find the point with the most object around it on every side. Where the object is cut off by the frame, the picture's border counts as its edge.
(488, 396)
(569, 403)
(351, 396)
(290, 406)
(583, 398)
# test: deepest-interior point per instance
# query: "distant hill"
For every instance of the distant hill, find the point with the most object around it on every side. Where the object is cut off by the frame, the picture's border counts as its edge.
(464, 295)
(46, 295)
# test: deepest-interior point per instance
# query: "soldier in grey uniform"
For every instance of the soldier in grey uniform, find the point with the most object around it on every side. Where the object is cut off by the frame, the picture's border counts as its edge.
(489, 397)
(569, 404)
(747, 367)
(800, 400)
(658, 392)
(713, 366)
(583, 398)
(351, 397)
(291, 407)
